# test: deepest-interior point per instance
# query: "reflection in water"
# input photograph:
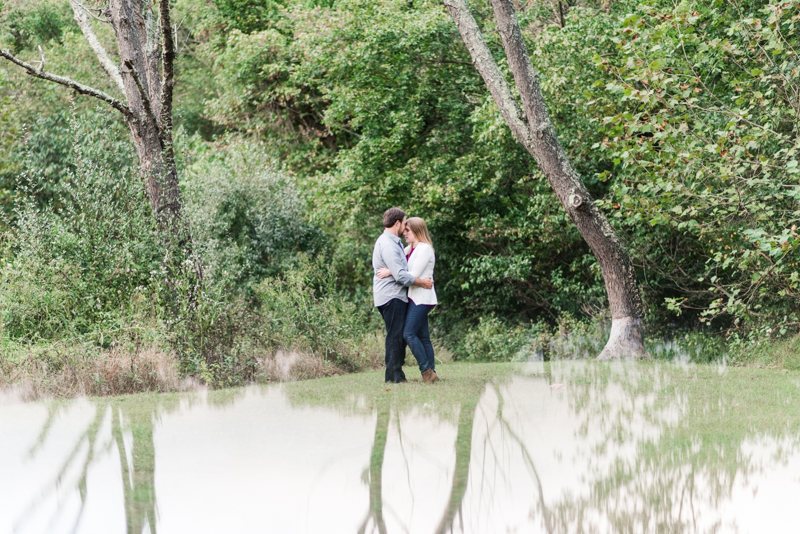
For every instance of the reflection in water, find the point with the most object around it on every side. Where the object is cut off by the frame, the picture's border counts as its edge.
(374, 517)
(60, 502)
(562, 447)
(463, 452)
(138, 468)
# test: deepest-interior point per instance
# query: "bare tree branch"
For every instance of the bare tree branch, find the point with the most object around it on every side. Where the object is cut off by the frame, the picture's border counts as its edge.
(96, 17)
(72, 84)
(41, 53)
(168, 65)
(86, 27)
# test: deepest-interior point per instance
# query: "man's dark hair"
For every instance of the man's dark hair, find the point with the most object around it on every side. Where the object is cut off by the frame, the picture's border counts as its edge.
(391, 216)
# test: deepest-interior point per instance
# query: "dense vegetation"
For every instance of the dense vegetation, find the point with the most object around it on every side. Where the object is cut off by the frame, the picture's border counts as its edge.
(300, 121)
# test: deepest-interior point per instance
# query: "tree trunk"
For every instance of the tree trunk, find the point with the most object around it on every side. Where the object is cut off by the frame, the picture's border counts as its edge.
(535, 131)
(134, 24)
(558, 12)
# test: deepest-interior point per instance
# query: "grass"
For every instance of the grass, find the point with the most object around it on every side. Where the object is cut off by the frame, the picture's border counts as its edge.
(782, 354)
(461, 382)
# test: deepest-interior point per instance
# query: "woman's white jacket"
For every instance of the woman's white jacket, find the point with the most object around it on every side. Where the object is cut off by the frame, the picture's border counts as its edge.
(420, 264)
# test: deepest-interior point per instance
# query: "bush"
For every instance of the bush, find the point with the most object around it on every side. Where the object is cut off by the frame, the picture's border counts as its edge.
(249, 220)
(72, 271)
(303, 310)
(571, 338)
(492, 340)
(229, 339)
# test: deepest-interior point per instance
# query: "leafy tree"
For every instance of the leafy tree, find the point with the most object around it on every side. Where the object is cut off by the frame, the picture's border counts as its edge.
(382, 104)
(699, 116)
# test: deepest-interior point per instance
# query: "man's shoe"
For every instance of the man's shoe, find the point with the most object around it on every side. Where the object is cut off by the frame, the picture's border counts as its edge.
(428, 375)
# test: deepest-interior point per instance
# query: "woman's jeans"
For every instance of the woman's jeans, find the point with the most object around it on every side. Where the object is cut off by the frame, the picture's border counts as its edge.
(417, 336)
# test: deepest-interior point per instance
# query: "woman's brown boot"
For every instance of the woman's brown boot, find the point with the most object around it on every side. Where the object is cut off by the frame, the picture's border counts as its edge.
(428, 375)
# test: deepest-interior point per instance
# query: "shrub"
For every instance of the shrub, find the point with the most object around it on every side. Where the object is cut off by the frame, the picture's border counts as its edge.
(71, 271)
(231, 339)
(249, 220)
(492, 340)
(303, 310)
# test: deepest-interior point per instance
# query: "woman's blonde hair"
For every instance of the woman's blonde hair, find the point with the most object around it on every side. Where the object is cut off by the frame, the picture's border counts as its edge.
(420, 230)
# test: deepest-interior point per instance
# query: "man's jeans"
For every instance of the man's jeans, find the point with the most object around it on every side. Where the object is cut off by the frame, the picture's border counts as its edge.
(417, 336)
(394, 316)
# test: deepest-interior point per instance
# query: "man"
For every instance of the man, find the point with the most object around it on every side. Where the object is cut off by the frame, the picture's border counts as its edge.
(390, 293)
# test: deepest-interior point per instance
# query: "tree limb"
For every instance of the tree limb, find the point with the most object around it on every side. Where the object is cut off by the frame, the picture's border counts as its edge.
(72, 84)
(96, 17)
(148, 109)
(86, 27)
(489, 71)
(168, 65)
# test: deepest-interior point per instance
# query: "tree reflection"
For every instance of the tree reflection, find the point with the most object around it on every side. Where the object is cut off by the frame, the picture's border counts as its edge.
(607, 448)
(375, 474)
(666, 446)
(645, 448)
(137, 457)
(463, 446)
(80, 455)
(119, 422)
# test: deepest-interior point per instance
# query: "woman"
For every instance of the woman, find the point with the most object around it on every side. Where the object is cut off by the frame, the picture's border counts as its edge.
(421, 259)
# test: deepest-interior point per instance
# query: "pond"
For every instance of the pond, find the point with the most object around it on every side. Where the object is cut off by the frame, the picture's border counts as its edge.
(539, 447)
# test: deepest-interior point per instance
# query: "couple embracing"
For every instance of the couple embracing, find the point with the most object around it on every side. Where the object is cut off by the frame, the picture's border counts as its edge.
(402, 288)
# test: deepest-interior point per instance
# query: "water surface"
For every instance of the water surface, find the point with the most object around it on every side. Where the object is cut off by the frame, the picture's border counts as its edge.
(561, 447)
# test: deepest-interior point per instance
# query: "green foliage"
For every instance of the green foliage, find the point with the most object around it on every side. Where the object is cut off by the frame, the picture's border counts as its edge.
(42, 152)
(248, 15)
(699, 119)
(25, 24)
(71, 271)
(249, 220)
(388, 89)
(305, 311)
(302, 120)
(225, 339)
(492, 340)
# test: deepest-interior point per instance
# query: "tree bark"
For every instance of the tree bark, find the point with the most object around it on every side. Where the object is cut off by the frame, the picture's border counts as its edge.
(533, 128)
(145, 93)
